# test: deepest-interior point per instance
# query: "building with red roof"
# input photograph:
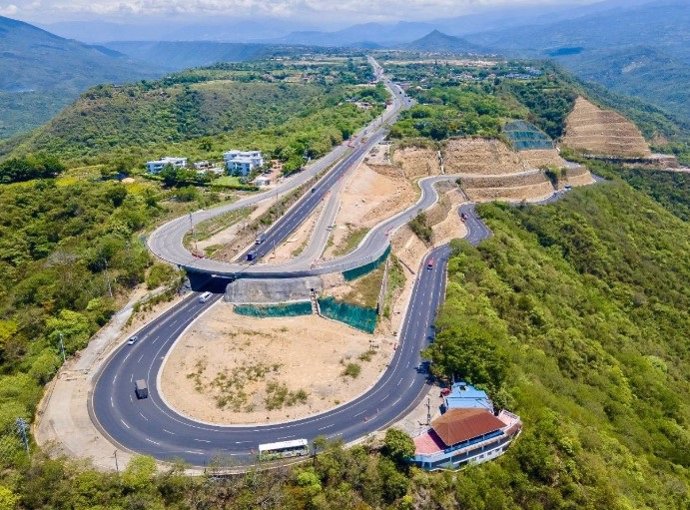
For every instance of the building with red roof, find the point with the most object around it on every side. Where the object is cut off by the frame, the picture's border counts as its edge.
(464, 435)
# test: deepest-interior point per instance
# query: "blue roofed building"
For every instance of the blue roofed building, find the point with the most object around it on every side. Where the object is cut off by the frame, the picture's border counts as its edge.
(465, 396)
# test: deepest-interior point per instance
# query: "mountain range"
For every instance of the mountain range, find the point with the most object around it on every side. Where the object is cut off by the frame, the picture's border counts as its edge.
(41, 72)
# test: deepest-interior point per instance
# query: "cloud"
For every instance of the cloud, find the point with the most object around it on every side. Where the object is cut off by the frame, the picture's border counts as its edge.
(298, 9)
(8, 10)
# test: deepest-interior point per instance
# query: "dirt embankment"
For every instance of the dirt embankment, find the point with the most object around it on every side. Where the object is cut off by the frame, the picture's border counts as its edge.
(230, 368)
(417, 162)
(541, 158)
(478, 156)
(603, 132)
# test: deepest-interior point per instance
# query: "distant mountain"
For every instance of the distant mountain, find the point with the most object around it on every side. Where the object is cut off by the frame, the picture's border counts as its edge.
(182, 55)
(644, 72)
(378, 34)
(221, 29)
(40, 73)
(663, 24)
(439, 42)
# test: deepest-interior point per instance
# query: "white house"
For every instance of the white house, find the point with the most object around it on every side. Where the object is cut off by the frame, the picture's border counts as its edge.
(242, 162)
(155, 167)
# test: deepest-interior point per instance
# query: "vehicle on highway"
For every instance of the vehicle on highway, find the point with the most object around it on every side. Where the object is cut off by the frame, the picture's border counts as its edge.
(313, 190)
(251, 256)
(282, 449)
(463, 217)
(430, 264)
(141, 389)
(132, 340)
(205, 297)
(423, 367)
(260, 239)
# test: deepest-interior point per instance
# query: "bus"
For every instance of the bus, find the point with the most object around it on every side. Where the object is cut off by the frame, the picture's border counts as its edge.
(283, 449)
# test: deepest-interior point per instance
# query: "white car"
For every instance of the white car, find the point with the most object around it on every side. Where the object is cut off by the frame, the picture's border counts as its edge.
(132, 340)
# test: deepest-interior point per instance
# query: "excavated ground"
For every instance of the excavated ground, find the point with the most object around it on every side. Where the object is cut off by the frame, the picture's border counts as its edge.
(603, 132)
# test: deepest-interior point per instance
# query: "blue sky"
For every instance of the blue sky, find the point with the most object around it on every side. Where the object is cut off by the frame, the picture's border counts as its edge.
(47, 11)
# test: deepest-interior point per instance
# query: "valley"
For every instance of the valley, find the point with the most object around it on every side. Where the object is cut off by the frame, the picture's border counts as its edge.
(428, 271)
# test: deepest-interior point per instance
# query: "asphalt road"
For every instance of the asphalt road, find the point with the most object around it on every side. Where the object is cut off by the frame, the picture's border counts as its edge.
(150, 426)
(166, 242)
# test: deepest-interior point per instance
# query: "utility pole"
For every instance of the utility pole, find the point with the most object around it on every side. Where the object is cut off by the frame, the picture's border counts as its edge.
(191, 223)
(428, 411)
(117, 467)
(62, 348)
(22, 430)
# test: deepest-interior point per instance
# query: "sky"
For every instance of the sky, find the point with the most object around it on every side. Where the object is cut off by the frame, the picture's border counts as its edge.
(132, 11)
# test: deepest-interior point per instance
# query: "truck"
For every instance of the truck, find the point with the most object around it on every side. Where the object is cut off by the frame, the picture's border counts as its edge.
(141, 389)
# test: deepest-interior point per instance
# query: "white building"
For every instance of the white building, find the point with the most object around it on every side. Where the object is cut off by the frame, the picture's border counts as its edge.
(242, 162)
(155, 167)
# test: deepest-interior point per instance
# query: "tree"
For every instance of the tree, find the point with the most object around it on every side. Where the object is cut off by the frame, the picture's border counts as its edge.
(8, 499)
(398, 446)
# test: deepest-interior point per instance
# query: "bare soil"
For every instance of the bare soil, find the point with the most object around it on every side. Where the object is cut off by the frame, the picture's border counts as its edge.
(603, 132)
(479, 156)
(302, 353)
(371, 194)
(417, 162)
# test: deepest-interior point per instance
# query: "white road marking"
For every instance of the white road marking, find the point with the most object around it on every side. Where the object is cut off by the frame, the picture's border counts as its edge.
(140, 414)
(166, 430)
(123, 422)
(202, 440)
(152, 441)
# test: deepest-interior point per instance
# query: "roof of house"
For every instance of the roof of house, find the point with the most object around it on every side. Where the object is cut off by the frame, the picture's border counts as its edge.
(464, 395)
(428, 443)
(459, 425)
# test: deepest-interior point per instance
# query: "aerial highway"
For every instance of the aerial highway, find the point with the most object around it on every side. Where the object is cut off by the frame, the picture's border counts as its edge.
(166, 242)
(150, 426)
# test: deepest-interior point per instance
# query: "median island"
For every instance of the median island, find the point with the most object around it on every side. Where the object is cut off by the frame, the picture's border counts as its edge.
(233, 369)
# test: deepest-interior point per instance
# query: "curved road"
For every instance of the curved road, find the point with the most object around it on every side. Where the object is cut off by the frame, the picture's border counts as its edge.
(151, 427)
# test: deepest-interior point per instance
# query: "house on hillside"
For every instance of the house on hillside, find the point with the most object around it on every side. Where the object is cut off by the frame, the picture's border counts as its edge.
(155, 167)
(469, 431)
(242, 162)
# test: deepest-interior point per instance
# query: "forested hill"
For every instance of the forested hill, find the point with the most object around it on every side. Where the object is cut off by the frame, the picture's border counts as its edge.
(576, 314)
(573, 314)
(41, 72)
(202, 112)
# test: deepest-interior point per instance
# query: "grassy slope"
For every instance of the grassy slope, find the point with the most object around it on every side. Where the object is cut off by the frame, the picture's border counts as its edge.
(576, 315)
(107, 117)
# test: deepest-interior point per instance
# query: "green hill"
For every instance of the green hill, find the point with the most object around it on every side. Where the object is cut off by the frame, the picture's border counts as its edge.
(200, 113)
(40, 73)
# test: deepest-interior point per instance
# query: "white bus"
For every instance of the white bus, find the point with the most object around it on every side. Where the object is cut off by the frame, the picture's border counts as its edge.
(282, 449)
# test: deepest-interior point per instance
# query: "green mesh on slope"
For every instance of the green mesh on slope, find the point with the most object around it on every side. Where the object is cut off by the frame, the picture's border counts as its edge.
(285, 310)
(353, 274)
(358, 317)
(525, 136)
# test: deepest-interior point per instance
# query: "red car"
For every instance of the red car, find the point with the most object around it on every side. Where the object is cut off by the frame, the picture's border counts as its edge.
(430, 264)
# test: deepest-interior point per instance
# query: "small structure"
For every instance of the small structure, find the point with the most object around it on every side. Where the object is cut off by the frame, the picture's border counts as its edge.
(468, 432)
(155, 167)
(262, 181)
(465, 396)
(242, 162)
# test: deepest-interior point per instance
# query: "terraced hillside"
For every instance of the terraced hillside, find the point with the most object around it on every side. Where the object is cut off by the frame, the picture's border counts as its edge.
(490, 170)
(603, 132)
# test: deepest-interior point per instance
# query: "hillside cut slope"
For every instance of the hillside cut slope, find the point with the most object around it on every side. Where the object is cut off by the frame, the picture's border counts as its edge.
(603, 132)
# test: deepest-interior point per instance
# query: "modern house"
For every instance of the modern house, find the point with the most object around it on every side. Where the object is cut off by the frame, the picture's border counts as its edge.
(155, 167)
(467, 432)
(242, 162)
